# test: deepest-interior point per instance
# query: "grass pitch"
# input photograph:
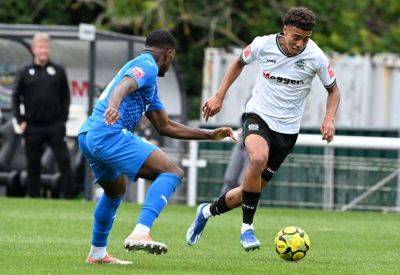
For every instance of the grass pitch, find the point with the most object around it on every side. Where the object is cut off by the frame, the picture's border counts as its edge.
(53, 237)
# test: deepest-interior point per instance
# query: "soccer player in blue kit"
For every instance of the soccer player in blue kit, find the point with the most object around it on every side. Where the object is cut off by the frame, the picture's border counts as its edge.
(112, 149)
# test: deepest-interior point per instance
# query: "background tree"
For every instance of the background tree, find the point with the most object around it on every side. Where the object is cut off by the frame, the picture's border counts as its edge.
(355, 27)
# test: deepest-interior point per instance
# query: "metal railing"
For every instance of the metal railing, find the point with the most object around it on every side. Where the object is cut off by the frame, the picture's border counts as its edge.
(328, 165)
(329, 181)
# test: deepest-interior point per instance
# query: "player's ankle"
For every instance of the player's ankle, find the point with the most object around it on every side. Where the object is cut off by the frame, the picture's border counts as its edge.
(97, 253)
(249, 205)
(141, 229)
(219, 206)
(206, 211)
(246, 227)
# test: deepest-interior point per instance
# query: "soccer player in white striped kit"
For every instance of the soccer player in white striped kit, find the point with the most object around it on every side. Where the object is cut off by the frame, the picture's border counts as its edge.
(288, 62)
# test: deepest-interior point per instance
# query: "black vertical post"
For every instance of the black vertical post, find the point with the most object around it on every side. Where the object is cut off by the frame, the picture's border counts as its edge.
(131, 48)
(92, 74)
(131, 192)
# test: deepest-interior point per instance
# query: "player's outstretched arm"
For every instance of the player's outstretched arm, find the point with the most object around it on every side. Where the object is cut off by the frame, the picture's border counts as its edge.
(126, 86)
(332, 104)
(214, 104)
(169, 128)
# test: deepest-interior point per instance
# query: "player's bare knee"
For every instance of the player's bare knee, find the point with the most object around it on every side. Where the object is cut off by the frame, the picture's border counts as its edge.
(121, 187)
(174, 169)
(115, 189)
(257, 162)
(179, 172)
(121, 191)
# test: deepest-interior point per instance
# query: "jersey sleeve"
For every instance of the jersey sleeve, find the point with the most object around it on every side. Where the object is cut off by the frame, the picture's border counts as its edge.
(156, 104)
(326, 73)
(251, 52)
(143, 73)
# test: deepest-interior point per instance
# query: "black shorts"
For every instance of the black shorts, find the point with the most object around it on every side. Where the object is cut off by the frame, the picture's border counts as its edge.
(280, 145)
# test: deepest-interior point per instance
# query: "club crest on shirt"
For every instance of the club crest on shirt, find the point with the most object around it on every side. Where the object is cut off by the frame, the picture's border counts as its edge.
(138, 72)
(300, 64)
(246, 52)
(330, 71)
(50, 70)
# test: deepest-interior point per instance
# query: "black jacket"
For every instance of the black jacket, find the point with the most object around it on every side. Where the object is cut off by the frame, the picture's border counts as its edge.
(44, 92)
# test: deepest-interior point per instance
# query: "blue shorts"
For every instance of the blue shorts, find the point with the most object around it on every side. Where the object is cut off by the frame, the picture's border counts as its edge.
(111, 154)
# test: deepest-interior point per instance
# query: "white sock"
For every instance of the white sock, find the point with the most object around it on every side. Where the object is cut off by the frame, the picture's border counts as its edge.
(245, 227)
(141, 229)
(206, 211)
(97, 253)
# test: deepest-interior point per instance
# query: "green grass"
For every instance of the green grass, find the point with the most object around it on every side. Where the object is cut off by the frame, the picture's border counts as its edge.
(53, 237)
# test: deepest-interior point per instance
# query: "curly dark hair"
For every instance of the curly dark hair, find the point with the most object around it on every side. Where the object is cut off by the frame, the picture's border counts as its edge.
(161, 39)
(300, 17)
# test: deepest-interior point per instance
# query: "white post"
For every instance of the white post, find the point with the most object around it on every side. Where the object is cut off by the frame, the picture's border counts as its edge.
(397, 206)
(193, 163)
(192, 179)
(141, 190)
(328, 178)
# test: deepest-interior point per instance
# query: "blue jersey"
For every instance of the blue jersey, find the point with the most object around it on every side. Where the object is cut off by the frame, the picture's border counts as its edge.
(143, 69)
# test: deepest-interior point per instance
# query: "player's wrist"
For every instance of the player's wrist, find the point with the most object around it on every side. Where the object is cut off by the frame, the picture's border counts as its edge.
(220, 95)
(112, 106)
(210, 134)
(329, 118)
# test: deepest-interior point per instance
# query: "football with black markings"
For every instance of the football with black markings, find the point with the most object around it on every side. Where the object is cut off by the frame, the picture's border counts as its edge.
(292, 243)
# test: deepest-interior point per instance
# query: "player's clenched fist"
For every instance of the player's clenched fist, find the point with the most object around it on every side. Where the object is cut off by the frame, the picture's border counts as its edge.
(111, 115)
(221, 133)
(212, 106)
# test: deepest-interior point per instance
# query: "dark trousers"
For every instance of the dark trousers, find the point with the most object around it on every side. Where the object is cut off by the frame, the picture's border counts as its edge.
(35, 139)
(236, 169)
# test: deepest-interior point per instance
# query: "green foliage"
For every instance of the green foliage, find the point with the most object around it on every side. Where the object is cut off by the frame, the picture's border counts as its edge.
(354, 27)
(34, 12)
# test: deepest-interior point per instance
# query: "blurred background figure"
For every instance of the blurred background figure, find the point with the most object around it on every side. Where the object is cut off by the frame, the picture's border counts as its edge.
(40, 103)
(237, 165)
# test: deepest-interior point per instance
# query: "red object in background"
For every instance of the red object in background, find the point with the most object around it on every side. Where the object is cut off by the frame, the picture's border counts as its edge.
(79, 90)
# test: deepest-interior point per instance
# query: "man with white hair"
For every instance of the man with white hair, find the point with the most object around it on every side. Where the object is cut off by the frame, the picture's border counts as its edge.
(42, 88)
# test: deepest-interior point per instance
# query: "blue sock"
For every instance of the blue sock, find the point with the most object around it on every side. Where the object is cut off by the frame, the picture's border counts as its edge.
(157, 197)
(104, 215)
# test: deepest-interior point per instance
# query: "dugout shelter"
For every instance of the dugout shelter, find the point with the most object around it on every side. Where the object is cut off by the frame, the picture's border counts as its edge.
(90, 65)
(91, 58)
